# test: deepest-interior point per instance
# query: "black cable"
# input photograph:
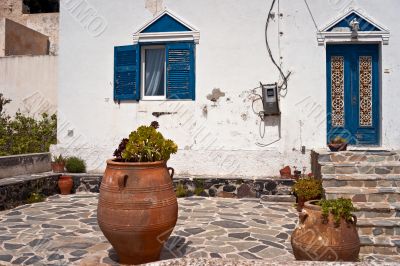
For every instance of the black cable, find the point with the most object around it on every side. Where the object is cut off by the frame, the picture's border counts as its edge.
(285, 78)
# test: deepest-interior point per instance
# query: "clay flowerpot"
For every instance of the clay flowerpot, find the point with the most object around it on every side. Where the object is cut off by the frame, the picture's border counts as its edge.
(57, 167)
(301, 201)
(137, 209)
(286, 172)
(65, 183)
(318, 240)
(337, 147)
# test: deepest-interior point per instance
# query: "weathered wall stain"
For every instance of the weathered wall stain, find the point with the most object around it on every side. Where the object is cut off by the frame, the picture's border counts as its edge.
(215, 95)
(154, 6)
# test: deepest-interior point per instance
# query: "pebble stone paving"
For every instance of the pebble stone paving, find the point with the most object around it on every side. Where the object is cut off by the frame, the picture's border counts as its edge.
(64, 231)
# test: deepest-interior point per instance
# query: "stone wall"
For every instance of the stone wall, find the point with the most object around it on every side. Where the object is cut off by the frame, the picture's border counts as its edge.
(21, 40)
(24, 164)
(45, 23)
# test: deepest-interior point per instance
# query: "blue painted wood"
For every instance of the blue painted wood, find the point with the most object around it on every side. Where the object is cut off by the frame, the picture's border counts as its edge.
(180, 70)
(364, 25)
(352, 131)
(126, 73)
(165, 23)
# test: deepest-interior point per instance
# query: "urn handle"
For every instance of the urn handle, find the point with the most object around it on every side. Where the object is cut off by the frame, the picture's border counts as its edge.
(303, 216)
(122, 181)
(354, 219)
(172, 172)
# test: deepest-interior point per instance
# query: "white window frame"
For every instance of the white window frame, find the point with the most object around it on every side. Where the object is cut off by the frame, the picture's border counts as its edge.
(143, 73)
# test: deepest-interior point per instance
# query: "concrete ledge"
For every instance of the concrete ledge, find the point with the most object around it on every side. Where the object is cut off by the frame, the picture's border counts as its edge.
(24, 164)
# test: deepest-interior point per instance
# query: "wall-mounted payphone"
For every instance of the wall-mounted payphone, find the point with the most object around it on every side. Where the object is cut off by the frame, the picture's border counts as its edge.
(270, 99)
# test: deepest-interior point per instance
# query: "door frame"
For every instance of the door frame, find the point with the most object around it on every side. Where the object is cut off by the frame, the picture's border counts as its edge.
(379, 92)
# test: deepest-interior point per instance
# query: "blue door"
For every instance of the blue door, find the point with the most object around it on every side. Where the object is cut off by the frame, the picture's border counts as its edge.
(353, 102)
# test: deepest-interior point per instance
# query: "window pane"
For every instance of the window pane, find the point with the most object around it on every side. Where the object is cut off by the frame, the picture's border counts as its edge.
(154, 72)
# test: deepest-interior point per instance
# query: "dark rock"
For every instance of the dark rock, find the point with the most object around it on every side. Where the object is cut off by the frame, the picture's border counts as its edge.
(215, 255)
(38, 242)
(194, 231)
(248, 255)
(272, 244)
(203, 194)
(290, 226)
(270, 185)
(6, 258)
(5, 238)
(78, 253)
(229, 224)
(239, 235)
(51, 226)
(33, 260)
(259, 186)
(257, 248)
(259, 221)
(229, 188)
(189, 193)
(377, 231)
(283, 236)
(19, 260)
(14, 213)
(212, 192)
(55, 256)
(10, 246)
(245, 191)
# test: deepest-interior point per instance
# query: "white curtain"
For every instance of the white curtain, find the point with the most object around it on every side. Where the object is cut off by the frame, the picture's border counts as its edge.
(154, 83)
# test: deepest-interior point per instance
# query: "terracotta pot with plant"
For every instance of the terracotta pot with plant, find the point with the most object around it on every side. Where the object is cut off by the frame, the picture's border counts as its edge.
(338, 144)
(137, 209)
(58, 164)
(305, 189)
(326, 232)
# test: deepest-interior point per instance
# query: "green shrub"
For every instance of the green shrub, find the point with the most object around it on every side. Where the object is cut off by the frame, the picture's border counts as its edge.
(146, 144)
(23, 134)
(339, 208)
(308, 188)
(35, 197)
(180, 191)
(75, 165)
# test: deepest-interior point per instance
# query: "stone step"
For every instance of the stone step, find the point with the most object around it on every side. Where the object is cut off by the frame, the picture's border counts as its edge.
(377, 209)
(380, 241)
(380, 168)
(364, 194)
(361, 180)
(379, 227)
(278, 198)
(357, 156)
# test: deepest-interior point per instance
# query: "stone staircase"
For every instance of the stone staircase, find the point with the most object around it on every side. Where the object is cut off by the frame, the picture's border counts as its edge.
(372, 180)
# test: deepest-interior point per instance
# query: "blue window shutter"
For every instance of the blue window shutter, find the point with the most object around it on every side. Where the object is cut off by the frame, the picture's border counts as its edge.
(180, 71)
(126, 73)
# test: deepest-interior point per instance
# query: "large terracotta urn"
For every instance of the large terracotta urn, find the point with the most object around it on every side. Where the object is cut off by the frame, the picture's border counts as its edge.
(319, 239)
(137, 209)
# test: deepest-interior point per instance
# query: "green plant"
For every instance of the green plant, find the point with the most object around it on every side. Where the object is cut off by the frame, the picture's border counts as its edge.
(35, 197)
(199, 186)
(75, 165)
(59, 159)
(338, 140)
(23, 134)
(339, 208)
(146, 144)
(180, 191)
(308, 188)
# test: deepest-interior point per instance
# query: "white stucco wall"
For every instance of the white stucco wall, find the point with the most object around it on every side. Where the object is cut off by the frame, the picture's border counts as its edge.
(30, 82)
(231, 56)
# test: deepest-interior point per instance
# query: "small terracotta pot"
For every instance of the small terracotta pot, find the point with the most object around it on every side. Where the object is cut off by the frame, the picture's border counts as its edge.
(57, 167)
(286, 172)
(65, 183)
(337, 147)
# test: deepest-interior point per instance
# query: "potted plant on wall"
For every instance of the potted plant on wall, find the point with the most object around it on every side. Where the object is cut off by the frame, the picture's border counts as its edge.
(326, 232)
(137, 208)
(58, 164)
(305, 189)
(338, 144)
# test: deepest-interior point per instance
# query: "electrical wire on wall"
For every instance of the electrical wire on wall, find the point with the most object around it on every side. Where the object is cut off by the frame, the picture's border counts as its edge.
(283, 79)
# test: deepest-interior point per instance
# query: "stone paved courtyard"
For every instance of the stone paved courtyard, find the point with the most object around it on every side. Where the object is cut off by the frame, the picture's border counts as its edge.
(63, 231)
